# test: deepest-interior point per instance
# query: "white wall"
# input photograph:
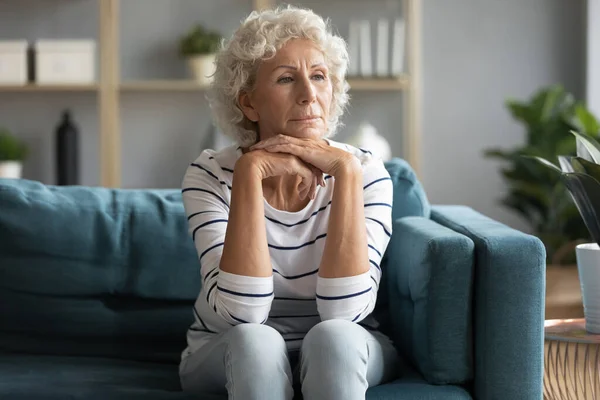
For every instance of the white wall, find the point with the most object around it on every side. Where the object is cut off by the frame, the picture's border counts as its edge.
(593, 56)
(477, 53)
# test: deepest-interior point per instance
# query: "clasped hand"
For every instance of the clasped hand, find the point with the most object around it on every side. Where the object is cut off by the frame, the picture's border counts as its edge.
(307, 158)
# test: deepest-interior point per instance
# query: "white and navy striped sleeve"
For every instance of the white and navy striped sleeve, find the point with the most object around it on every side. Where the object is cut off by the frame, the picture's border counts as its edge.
(206, 195)
(353, 298)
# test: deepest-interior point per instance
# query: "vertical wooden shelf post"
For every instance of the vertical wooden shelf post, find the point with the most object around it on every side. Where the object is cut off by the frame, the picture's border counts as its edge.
(262, 4)
(412, 100)
(110, 141)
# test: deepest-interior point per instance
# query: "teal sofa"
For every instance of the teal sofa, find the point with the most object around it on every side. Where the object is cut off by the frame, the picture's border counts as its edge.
(97, 287)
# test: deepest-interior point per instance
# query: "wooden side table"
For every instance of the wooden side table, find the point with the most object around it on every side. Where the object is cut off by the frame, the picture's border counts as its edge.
(571, 361)
(563, 292)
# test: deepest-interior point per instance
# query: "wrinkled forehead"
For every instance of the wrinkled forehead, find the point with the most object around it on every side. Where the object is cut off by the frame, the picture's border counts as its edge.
(296, 53)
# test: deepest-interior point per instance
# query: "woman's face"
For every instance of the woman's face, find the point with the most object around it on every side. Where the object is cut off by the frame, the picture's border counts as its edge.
(292, 93)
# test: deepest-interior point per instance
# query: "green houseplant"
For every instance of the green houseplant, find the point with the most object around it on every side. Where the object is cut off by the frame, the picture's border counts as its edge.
(581, 176)
(199, 47)
(534, 191)
(12, 154)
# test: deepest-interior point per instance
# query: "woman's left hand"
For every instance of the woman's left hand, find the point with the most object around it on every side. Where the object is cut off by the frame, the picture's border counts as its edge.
(316, 152)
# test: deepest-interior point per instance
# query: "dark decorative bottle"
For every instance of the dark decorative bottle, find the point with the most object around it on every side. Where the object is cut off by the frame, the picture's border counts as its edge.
(67, 151)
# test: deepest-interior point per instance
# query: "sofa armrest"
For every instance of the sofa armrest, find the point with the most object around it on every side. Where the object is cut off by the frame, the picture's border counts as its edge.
(508, 305)
(430, 270)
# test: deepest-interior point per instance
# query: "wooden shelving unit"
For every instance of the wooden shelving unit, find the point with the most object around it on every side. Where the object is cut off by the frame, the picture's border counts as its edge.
(48, 88)
(109, 88)
(379, 84)
(360, 84)
(162, 86)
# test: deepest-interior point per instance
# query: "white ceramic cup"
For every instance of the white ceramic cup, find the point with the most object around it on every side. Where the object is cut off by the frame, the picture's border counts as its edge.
(588, 264)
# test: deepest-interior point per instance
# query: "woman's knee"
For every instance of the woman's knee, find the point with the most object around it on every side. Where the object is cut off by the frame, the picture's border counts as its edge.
(333, 336)
(255, 340)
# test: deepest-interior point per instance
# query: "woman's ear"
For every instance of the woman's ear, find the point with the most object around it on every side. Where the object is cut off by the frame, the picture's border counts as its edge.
(247, 108)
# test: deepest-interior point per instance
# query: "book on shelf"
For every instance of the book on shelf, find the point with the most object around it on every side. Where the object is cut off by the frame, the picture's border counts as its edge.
(398, 45)
(366, 56)
(383, 60)
(383, 51)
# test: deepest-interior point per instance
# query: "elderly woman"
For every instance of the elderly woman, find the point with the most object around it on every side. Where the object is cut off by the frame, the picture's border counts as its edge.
(289, 226)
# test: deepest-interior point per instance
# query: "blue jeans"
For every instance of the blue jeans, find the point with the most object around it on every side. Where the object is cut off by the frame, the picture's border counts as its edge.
(338, 360)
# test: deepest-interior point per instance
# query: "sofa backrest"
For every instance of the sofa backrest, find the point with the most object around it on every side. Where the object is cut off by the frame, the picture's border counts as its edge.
(409, 201)
(110, 272)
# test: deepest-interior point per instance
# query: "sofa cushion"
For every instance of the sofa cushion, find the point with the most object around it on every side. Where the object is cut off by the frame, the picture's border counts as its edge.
(56, 378)
(431, 286)
(409, 196)
(24, 377)
(88, 241)
(409, 201)
(86, 264)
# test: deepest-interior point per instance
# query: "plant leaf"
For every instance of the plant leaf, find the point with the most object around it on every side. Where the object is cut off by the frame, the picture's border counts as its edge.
(544, 162)
(578, 166)
(590, 144)
(565, 164)
(586, 120)
(590, 168)
(550, 101)
(582, 151)
(497, 153)
(520, 112)
(11, 148)
(586, 194)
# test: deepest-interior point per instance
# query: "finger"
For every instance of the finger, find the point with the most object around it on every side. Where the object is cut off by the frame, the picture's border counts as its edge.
(304, 188)
(319, 175)
(306, 173)
(313, 189)
(317, 179)
(278, 139)
(283, 148)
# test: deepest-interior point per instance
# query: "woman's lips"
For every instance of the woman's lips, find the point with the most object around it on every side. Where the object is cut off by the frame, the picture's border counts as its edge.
(306, 120)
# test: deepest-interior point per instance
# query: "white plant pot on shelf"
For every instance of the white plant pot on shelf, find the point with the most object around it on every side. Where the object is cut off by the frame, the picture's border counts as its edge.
(11, 169)
(588, 264)
(202, 67)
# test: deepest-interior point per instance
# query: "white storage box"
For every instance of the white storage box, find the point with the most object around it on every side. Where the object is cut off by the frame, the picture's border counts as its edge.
(13, 62)
(65, 62)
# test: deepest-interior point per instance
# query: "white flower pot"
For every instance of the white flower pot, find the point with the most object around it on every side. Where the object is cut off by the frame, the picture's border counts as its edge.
(11, 169)
(202, 67)
(588, 264)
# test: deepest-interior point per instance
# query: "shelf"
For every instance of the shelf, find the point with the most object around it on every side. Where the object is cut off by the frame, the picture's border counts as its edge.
(48, 88)
(111, 89)
(379, 84)
(363, 84)
(163, 86)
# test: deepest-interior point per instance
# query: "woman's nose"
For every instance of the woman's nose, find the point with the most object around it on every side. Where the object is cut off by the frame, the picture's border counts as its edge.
(307, 92)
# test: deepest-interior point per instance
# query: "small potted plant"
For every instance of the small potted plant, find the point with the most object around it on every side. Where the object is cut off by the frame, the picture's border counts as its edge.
(199, 47)
(12, 154)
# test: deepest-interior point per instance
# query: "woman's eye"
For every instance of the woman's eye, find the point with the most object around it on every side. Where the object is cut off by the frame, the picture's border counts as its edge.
(319, 77)
(285, 79)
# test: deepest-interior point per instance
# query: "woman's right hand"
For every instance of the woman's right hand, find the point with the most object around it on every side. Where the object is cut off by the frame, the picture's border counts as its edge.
(269, 164)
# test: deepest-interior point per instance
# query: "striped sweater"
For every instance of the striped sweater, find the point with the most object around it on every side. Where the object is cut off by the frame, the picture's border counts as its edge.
(295, 297)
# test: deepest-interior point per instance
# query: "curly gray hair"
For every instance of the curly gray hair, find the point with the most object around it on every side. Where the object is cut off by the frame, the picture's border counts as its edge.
(260, 35)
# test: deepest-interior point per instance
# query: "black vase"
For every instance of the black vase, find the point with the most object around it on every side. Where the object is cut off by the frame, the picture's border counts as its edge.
(67, 151)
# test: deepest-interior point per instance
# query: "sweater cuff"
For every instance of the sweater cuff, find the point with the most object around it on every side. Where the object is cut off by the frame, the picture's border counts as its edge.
(245, 286)
(348, 286)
